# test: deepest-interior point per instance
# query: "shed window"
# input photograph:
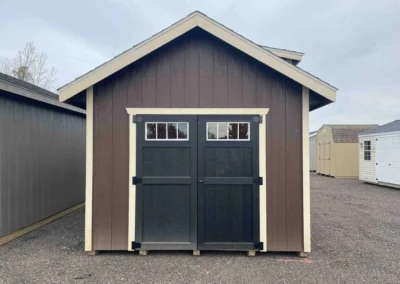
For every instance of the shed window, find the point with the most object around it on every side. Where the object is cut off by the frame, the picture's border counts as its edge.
(228, 131)
(170, 131)
(367, 150)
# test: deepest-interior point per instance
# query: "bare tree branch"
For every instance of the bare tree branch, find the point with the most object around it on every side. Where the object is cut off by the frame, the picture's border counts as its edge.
(30, 66)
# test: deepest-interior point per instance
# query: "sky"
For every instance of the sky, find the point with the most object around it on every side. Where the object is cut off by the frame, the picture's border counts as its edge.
(353, 45)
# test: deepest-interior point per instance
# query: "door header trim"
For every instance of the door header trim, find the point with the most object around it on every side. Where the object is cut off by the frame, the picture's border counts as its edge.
(198, 111)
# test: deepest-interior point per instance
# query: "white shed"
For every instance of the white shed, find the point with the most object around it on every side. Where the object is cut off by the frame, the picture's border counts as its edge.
(313, 151)
(380, 155)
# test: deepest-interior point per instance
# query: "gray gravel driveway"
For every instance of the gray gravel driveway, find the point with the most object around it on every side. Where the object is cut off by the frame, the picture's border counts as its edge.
(355, 239)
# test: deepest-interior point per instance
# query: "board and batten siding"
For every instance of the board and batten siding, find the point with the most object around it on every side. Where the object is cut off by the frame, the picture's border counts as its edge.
(197, 70)
(367, 169)
(42, 161)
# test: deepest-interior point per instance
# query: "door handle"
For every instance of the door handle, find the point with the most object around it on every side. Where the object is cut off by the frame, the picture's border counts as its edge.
(201, 181)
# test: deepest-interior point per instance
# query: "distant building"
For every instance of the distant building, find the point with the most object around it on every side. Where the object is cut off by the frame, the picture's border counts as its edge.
(337, 149)
(380, 155)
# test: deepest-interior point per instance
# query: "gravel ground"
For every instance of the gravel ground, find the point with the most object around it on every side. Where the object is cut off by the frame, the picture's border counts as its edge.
(355, 239)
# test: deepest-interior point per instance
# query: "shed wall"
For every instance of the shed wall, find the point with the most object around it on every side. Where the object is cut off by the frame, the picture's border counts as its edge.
(42, 161)
(197, 71)
(367, 169)
(344, 160)
(313, 153)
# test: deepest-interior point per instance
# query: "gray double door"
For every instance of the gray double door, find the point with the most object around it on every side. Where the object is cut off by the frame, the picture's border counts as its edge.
(197, 187)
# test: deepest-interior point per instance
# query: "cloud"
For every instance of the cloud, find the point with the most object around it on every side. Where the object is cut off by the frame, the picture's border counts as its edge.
(353, 45)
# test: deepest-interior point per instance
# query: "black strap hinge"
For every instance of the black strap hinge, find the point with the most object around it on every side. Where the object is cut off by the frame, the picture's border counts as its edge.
(258, 181)
(136, 245)
(259, 246)
(136, 180)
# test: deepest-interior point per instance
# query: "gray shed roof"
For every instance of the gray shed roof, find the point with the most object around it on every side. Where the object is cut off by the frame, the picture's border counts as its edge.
(348, 133)
(393, 126)
(21, 88)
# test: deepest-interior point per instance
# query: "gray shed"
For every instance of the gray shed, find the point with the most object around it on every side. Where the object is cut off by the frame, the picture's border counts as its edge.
(42, 157)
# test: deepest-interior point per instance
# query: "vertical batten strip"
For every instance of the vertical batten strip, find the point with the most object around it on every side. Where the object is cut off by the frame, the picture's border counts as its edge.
(132, 187)
(263, 188)
(89, 169)
(306, 172)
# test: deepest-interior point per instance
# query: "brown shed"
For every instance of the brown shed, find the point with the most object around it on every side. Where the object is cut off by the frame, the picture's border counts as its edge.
(337, 149)
(197, 139)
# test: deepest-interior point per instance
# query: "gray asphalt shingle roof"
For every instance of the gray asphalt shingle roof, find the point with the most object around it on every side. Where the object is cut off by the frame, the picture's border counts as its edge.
(19, 87)
(393, 126)
(349, 133)
(29, 86)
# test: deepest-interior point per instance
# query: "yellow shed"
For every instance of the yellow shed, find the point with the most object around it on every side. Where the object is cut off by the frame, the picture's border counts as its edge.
(337, 149)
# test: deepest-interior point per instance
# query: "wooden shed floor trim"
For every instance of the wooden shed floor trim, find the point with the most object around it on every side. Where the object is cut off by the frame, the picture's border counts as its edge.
(7, 238)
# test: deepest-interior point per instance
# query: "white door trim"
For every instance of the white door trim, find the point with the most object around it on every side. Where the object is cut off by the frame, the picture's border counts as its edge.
(198, 111)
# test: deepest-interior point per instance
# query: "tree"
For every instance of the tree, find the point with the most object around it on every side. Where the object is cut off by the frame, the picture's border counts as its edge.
(30, 66)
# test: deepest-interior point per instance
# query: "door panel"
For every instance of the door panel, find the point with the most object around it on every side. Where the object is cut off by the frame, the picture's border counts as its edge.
(166, 194)
(228, 205)
(196, 193)
(228, 215)
(388, 159)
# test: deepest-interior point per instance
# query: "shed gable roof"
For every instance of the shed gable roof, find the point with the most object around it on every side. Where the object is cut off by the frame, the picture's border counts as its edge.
(393, 126)
(197, 19)
(348, 133)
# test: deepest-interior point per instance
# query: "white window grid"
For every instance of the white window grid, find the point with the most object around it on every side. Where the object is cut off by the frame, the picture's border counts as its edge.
(227, 131)
(166, 131)
(367, 151)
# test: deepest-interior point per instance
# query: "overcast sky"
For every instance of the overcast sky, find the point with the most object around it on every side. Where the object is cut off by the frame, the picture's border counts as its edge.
(353, 45)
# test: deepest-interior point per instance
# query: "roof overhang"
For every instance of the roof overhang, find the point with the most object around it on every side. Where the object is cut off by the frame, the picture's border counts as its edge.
(288, 54)
(200, 20)
(24, 92)
(379, 134)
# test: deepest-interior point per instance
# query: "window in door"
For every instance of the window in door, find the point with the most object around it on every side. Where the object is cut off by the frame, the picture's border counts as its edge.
(222, 131)
(167, 131)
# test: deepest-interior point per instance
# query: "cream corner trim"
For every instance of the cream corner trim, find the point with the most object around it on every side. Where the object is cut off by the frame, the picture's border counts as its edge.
(132, 187)
(262, 144)
(89, 169)
(213, 27)
(198, 111)
(306, 173)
